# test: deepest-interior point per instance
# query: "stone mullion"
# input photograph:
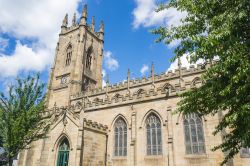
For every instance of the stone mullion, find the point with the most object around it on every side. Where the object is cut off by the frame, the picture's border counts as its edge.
(122, 147)
(156, 141)
(191, 141)
(151, 140)
(197, 138)
(118, 142)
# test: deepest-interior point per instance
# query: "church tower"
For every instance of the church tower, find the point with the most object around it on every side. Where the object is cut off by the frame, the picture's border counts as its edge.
(78, 60)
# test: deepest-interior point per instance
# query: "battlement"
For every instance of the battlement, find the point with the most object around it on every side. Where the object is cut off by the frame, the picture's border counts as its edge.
(94, 125)
(127, 99)
(164, 86)
(170, 75)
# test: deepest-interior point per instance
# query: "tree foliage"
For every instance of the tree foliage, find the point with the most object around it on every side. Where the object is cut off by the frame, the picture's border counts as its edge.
(21, 115)
(220, 29)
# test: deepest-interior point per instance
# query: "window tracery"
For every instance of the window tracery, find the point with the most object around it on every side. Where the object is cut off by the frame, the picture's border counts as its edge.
(120, 131)
(194, 134)
(89, 58)
(63, 153)
(154, 140)
(69, 55)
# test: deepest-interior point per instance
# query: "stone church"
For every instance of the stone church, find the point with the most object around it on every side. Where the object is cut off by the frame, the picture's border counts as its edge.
(131, 123)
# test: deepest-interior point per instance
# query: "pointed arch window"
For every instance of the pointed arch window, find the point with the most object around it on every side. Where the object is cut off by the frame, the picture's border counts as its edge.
(69, 55)
(244, 152)
(89, 58)
(120, 130)
(154, 140)
(194, 134)
(63, 153)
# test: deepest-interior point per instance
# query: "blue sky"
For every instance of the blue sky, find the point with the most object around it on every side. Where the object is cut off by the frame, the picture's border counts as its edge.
(29, 32)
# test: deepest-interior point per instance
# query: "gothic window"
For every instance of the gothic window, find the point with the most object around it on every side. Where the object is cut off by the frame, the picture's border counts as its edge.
(194, 134)
(68, 56)
(244, 152)
(120, 129)
(85, 84)
(89, 58)
(63, 153)
(63, 80)
(154, 142)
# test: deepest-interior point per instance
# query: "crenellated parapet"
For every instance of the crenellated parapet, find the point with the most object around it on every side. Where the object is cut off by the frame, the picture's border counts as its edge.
(89, 124)
(162, 86)
(169, 77)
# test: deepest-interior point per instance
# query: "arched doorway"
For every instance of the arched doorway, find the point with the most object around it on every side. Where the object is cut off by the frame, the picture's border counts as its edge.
(63, 153)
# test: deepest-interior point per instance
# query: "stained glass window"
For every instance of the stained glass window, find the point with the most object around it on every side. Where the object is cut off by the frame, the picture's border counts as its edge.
(120, 129)
(194, 134)
(153, 132)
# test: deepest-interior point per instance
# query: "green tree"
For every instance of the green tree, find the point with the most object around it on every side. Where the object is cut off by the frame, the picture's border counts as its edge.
(216, 28)
(21, 115)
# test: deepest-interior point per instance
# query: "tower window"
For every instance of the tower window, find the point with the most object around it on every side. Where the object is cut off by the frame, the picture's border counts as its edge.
(85, 84)
(194, 134)
(89, 58)
(68, 56)
(63, 153)
(64, 80)
(120, 138)
(154, 142)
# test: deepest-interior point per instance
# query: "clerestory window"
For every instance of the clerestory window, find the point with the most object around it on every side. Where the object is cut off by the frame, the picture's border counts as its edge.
(120, 130)
(194, 134)
(153, 132)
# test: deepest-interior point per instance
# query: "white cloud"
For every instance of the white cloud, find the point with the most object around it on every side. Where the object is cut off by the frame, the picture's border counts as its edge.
(103, 76)
(37, 21)
(104, 83)
(110, 62)
(146, 16)
(144, 69)
(3, 43)
(184, 62)
(103, 73)
(25, 59)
